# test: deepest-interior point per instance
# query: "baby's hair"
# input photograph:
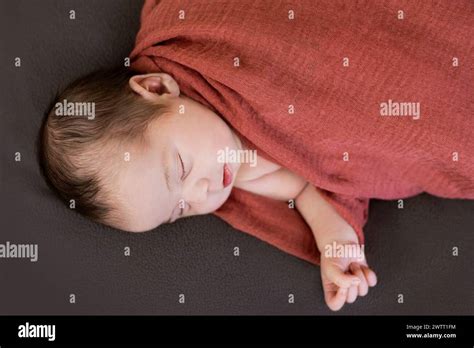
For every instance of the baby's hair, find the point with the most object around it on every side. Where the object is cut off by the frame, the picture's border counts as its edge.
(73, 150)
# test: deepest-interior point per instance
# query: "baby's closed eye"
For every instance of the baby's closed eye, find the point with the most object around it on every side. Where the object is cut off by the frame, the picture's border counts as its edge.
(184, 174)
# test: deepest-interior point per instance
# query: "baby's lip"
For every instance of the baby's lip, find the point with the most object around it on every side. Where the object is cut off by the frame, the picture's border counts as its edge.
(227, 175)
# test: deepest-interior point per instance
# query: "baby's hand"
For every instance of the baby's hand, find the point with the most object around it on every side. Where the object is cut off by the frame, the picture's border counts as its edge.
(344, 278)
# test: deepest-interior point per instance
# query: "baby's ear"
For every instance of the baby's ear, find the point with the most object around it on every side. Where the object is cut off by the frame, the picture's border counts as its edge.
(154, 87)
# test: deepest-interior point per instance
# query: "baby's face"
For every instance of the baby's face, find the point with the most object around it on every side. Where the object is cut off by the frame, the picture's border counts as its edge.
(178, 174)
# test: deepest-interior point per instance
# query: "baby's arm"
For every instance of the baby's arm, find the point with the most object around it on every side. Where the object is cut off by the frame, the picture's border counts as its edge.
(343, 278)
(324, 221)
(327, 225)
(337, 274)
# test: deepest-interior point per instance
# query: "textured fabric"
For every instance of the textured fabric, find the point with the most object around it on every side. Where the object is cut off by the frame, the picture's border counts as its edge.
(335, 63)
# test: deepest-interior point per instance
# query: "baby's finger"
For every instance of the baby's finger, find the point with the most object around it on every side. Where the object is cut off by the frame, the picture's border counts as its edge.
(363, 286)
(352, 294)
(341, 279)
(335, 301)
(370, 276)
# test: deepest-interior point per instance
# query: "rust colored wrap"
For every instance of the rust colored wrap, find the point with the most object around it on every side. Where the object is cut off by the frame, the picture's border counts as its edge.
(333, 63)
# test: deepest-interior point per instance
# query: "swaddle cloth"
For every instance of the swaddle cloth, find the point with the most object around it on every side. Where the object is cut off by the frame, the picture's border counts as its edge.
(364, 99)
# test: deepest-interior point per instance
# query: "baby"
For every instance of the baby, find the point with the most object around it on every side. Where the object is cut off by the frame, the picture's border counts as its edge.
(144, 155)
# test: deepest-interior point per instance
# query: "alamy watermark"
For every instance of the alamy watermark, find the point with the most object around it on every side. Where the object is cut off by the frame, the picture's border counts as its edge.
(393, 108)
(237, 156)
(353, 251)
(28, 330)
(66, 108)
(22, 251)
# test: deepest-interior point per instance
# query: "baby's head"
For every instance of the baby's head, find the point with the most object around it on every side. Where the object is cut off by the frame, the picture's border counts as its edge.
(129, 151)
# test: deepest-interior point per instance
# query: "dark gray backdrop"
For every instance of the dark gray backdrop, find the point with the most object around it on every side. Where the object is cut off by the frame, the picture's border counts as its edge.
(410, 249)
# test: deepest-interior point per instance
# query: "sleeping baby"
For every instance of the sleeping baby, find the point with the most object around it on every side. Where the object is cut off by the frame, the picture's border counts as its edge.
(135, 153)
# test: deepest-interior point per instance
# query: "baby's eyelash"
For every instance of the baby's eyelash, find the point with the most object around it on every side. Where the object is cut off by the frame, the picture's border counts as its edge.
(182, 167)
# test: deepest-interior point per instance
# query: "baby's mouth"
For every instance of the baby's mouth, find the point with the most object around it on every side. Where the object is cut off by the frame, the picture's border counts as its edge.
(227, 176)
